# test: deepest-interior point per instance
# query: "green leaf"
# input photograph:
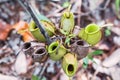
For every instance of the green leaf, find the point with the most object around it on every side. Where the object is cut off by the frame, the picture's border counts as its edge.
(71, 35)
(66, 4)
(35, 77)
(117, 5)
(85, 65)
(107, 32)
(90, 57)
(97, 52)
(67, 40)
(42, 17)
(85, 62)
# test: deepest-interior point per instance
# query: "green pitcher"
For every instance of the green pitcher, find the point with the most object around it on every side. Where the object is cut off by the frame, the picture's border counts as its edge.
(56, 51)
(49, 27)
(69, 64)
(91, 34)
(67, 22)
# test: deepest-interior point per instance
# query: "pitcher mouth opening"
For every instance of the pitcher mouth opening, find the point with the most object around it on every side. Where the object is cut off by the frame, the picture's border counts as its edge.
(40, 51)
(26, 45)
(72, 40)
(33, 26)
(53, 47)
(70, 69)
(80, 43)
(92, 28)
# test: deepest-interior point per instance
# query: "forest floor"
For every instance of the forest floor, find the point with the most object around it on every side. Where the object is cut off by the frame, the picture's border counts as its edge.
(21, 67)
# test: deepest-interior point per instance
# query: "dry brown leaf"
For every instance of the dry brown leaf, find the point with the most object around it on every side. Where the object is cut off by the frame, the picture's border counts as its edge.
(22, 29)
(21, 63)
(27, 36)
(4, 30)
(21, 25)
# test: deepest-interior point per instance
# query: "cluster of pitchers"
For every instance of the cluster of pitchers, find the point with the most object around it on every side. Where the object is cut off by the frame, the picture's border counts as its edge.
(58, 50)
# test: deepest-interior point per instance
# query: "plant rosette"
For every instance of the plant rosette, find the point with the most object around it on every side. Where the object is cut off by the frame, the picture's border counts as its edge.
(56, 51)
(91, 34)
(49, 27)
(69, 64)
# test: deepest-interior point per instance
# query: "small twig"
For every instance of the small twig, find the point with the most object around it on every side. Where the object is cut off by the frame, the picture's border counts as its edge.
(56, 5)
(106, 4)
(43, 69)
(69, 7)
(105, 25)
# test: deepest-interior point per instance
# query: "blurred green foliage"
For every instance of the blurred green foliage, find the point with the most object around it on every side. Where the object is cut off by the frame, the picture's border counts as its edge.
(117, 5)
(90, 57)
